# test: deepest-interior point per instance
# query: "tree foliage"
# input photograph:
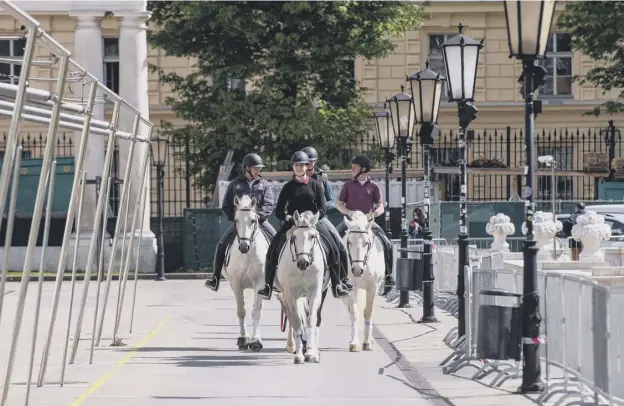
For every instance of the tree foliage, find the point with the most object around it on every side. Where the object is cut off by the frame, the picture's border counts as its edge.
(296, 55)
(597, 31)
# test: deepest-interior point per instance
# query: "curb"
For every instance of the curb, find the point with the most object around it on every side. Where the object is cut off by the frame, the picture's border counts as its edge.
(142, 276)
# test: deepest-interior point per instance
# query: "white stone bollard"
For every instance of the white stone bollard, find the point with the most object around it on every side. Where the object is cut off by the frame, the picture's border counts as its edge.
(590, 229)
(499, 227)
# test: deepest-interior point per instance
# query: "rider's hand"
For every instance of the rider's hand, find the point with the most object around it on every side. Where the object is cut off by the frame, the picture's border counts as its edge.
(370, 217)
(288, 219)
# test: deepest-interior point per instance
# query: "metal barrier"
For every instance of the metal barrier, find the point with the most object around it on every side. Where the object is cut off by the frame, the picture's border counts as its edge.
(584, 351)
(51, 108)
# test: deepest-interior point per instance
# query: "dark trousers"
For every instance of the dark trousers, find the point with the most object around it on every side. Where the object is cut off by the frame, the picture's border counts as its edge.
(228, 238)
(278, 242)
(381, 234)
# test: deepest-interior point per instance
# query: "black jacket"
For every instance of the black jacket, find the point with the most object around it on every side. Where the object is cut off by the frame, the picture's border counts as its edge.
(258, 188)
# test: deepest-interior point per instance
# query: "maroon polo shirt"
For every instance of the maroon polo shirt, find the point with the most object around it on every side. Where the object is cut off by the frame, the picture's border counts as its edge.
(361, 196)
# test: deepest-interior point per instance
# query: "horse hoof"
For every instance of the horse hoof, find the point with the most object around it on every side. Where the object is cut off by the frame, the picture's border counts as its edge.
(313, 358)
(354, 348)
(256, 346)
(243, 343)
(299, 359)
(367, 346)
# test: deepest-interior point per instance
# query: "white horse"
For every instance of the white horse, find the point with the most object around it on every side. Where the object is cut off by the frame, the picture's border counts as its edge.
(366, 255)
(244, 268)
(303, 286)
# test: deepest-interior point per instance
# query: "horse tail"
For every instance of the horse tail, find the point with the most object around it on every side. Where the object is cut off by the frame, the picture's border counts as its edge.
(303, 310)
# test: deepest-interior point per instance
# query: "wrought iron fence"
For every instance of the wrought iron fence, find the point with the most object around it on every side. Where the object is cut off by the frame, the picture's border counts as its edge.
(33, 145)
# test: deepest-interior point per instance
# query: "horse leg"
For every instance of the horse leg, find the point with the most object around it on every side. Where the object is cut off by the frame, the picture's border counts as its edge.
(371, 295)
(354, 314)
(290, 339)
(243, 340)
(317, 329)
(256, 314)
(295, 325)
(312, 353)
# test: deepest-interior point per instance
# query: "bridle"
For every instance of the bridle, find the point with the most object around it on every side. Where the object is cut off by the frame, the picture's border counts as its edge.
(369, 245)
(254, 231)
(293, 248)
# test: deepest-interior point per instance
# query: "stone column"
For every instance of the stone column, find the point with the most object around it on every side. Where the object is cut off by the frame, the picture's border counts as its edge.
(133, 87)
(89, 52)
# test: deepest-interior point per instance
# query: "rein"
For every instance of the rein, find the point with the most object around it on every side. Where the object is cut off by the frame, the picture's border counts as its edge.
(369, 245)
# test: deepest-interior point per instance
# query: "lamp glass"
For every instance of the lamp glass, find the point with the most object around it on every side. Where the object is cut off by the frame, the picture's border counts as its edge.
(385, 134)
(528, 26)
(461, 63)
(427, 100)
(401, 114)
(159, 150)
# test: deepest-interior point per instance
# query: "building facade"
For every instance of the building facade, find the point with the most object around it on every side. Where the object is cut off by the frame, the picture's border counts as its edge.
(108, 38)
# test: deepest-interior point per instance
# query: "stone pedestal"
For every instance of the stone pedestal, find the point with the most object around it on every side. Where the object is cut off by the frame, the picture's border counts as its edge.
(146, 252)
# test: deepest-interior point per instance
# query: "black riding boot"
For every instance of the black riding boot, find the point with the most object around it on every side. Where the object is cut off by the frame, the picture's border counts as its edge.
(213, 280)
(269, 277)
(389, 257)
(339, 290)
(344, 267)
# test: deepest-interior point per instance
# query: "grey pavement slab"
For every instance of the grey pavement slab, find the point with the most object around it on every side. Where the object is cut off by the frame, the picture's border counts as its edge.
(193, 359)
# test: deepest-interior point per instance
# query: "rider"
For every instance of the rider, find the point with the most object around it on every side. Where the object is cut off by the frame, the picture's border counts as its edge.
(252, 184)
(363, 194)
(330, 202)
(300, 194)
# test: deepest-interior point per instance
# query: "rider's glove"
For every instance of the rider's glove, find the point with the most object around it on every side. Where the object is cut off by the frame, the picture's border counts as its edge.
(370, 216)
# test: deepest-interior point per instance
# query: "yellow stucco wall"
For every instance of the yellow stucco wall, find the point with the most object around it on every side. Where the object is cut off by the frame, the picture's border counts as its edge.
(497, 93)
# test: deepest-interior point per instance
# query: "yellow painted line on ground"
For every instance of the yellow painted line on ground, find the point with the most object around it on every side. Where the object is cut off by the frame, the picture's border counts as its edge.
(118, 365)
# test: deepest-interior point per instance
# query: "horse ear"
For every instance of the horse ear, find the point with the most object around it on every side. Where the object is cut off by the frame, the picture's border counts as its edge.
(348, 223)
(296, 216)
(369, 225)
(236, 201)
(254, 202)
(315, 219)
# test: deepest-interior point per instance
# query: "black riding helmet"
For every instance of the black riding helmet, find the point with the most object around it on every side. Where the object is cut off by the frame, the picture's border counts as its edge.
(311, 152)
(252, 160)
(299, 157)
(364, 162)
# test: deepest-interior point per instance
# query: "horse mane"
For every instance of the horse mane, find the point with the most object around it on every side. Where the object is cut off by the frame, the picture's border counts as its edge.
(358, 222)
(245, 202)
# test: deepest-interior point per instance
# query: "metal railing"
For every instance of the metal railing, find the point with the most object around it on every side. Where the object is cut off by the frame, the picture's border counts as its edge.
(583, 327)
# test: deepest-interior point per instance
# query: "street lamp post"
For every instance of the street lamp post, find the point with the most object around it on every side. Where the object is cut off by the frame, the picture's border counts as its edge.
(528, 29)
(461, 59)
(426, 87)
(385, 135)
(159, 148)
(401, 113)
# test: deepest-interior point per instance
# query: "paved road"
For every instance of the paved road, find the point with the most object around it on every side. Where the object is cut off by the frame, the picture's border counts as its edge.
(183, 352)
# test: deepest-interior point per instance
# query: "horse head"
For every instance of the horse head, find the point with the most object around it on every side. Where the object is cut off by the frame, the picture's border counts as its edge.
(304, 238)
(246, 220)
(359, 241)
